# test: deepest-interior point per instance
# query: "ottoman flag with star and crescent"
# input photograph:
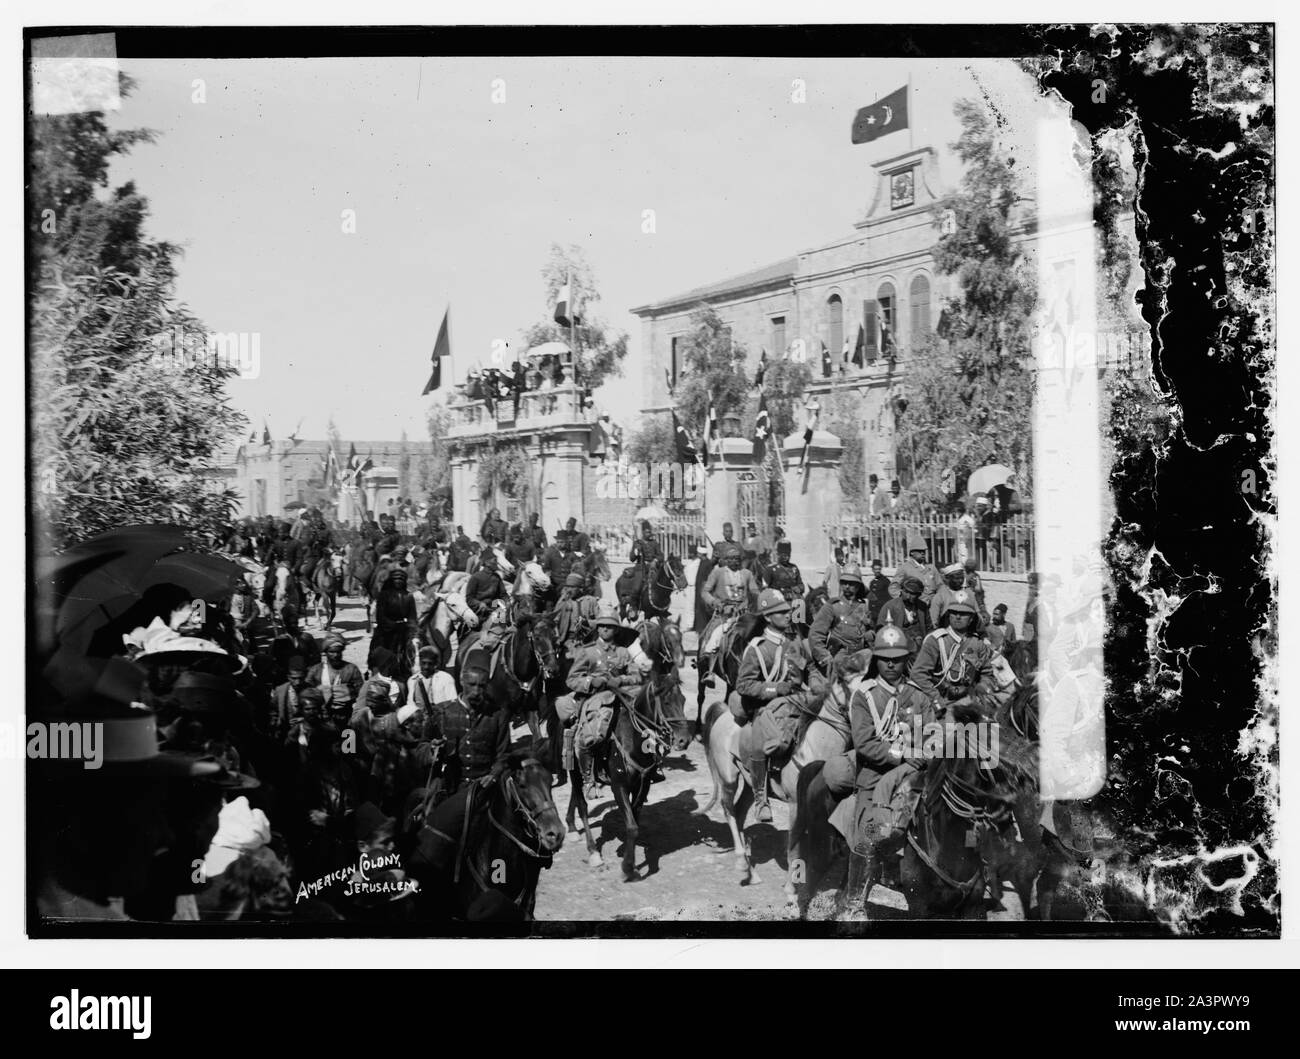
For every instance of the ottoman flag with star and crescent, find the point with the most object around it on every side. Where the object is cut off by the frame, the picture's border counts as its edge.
(886, 115)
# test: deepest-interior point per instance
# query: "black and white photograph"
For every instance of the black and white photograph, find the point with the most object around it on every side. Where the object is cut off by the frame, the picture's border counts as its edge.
(698, 481)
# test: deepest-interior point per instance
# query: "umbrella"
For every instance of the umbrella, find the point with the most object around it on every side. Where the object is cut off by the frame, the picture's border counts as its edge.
(986, 478)
(548, 349)
(651, 512)
(203, 576)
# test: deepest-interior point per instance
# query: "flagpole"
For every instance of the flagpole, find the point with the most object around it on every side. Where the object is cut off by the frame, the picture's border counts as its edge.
(911, 144)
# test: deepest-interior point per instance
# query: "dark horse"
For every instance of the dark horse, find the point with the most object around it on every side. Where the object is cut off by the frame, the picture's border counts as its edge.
(484, 864)
(647, 588)
(723, 666)
(527, 662)
(962, 804)
(1037, 853)
(640, 737)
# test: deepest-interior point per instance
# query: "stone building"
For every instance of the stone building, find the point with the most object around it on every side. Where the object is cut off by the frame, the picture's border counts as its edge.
(269, 476)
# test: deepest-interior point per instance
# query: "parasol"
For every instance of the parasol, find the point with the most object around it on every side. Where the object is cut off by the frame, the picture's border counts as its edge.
(986, 478)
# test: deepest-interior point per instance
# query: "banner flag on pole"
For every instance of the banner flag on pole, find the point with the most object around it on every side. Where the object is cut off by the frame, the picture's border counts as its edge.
(762, 429)
(441, 348)
(685, 449)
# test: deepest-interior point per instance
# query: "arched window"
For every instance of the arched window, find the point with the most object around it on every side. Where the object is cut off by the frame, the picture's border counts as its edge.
(919, 304)
(835, 313)
(888, 303)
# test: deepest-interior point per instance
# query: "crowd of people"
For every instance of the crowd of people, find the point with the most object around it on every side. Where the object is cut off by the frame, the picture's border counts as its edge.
(246, 758)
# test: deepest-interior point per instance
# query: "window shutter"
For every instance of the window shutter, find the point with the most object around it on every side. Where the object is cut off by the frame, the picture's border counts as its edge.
(871, 322)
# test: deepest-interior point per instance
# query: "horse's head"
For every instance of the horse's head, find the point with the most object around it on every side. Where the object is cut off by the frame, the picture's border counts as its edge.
(673, 706)
(676, 571)
(282, 575)
(598, 564)
(336, 563)
(527, 785)
(460, 609)
(536, 578)
(540, 630)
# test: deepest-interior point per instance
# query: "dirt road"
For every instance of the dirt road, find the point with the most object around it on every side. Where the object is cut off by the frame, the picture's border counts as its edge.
(696, 877)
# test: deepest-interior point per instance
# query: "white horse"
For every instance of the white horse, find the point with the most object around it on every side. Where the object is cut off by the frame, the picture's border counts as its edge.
(452, 617)
(531, 580)
(826, 736)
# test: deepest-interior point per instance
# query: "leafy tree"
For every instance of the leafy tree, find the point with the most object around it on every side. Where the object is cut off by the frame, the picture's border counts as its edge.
(714, 366)
(129, 406)
(970, 392)
(436, 467)
(653, 442)
(600, 351)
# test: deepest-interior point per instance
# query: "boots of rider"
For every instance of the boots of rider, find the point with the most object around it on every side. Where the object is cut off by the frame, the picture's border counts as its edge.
(587, 766)
(758, 774)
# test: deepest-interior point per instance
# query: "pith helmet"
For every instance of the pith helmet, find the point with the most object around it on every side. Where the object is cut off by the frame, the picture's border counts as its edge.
(916, 543)
(607, 615)
(891, 642)
(770, 601)
(961, 603)
(852, 572)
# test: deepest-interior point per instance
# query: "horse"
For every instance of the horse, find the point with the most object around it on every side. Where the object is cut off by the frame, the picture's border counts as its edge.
(451, 616)
(640, 737)
(530, 583)
(284, 591)
(486, 864)
(1036, 853)
(647, 587)
(325, 586)
(824, 732)
(522, 664)
(593, 567)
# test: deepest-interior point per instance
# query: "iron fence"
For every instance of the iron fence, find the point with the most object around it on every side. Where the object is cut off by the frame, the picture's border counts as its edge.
(1005, 547)
(676, 536)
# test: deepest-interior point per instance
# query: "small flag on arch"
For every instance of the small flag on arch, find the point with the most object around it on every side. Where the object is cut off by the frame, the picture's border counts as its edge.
(860, 350)
(762, 369)
(762, 429)
(266, 433)
(441, 348)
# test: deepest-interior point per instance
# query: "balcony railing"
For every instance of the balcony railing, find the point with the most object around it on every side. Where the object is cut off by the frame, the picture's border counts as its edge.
(537, 408)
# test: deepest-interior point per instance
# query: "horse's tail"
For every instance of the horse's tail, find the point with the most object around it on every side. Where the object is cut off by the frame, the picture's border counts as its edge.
(710, 719)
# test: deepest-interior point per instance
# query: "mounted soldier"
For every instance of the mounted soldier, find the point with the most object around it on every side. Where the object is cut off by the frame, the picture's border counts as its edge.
(729, 592)
(493, 530)
(575, 611)
(485, 586)
(786, 579)
(396, 627)
(842, 624)
(472, 739)
(600, 671)
(916, 565)
(883, 711)
(952, 661)
(907, 612)
(773, 668)
(645, 549)
(954, 580)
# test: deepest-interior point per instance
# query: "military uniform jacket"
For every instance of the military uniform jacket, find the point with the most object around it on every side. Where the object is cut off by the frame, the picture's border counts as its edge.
(838, 612)
(645, 551)
(946, 659)
(596, 660)
(786, 579)
(493, 530)
(478, 742)
(879, 716)
(483, 589)
(767, 663)
(726, 585)
(927, 573)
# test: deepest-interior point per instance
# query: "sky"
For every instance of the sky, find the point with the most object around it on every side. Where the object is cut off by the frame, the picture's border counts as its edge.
(457, 199)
